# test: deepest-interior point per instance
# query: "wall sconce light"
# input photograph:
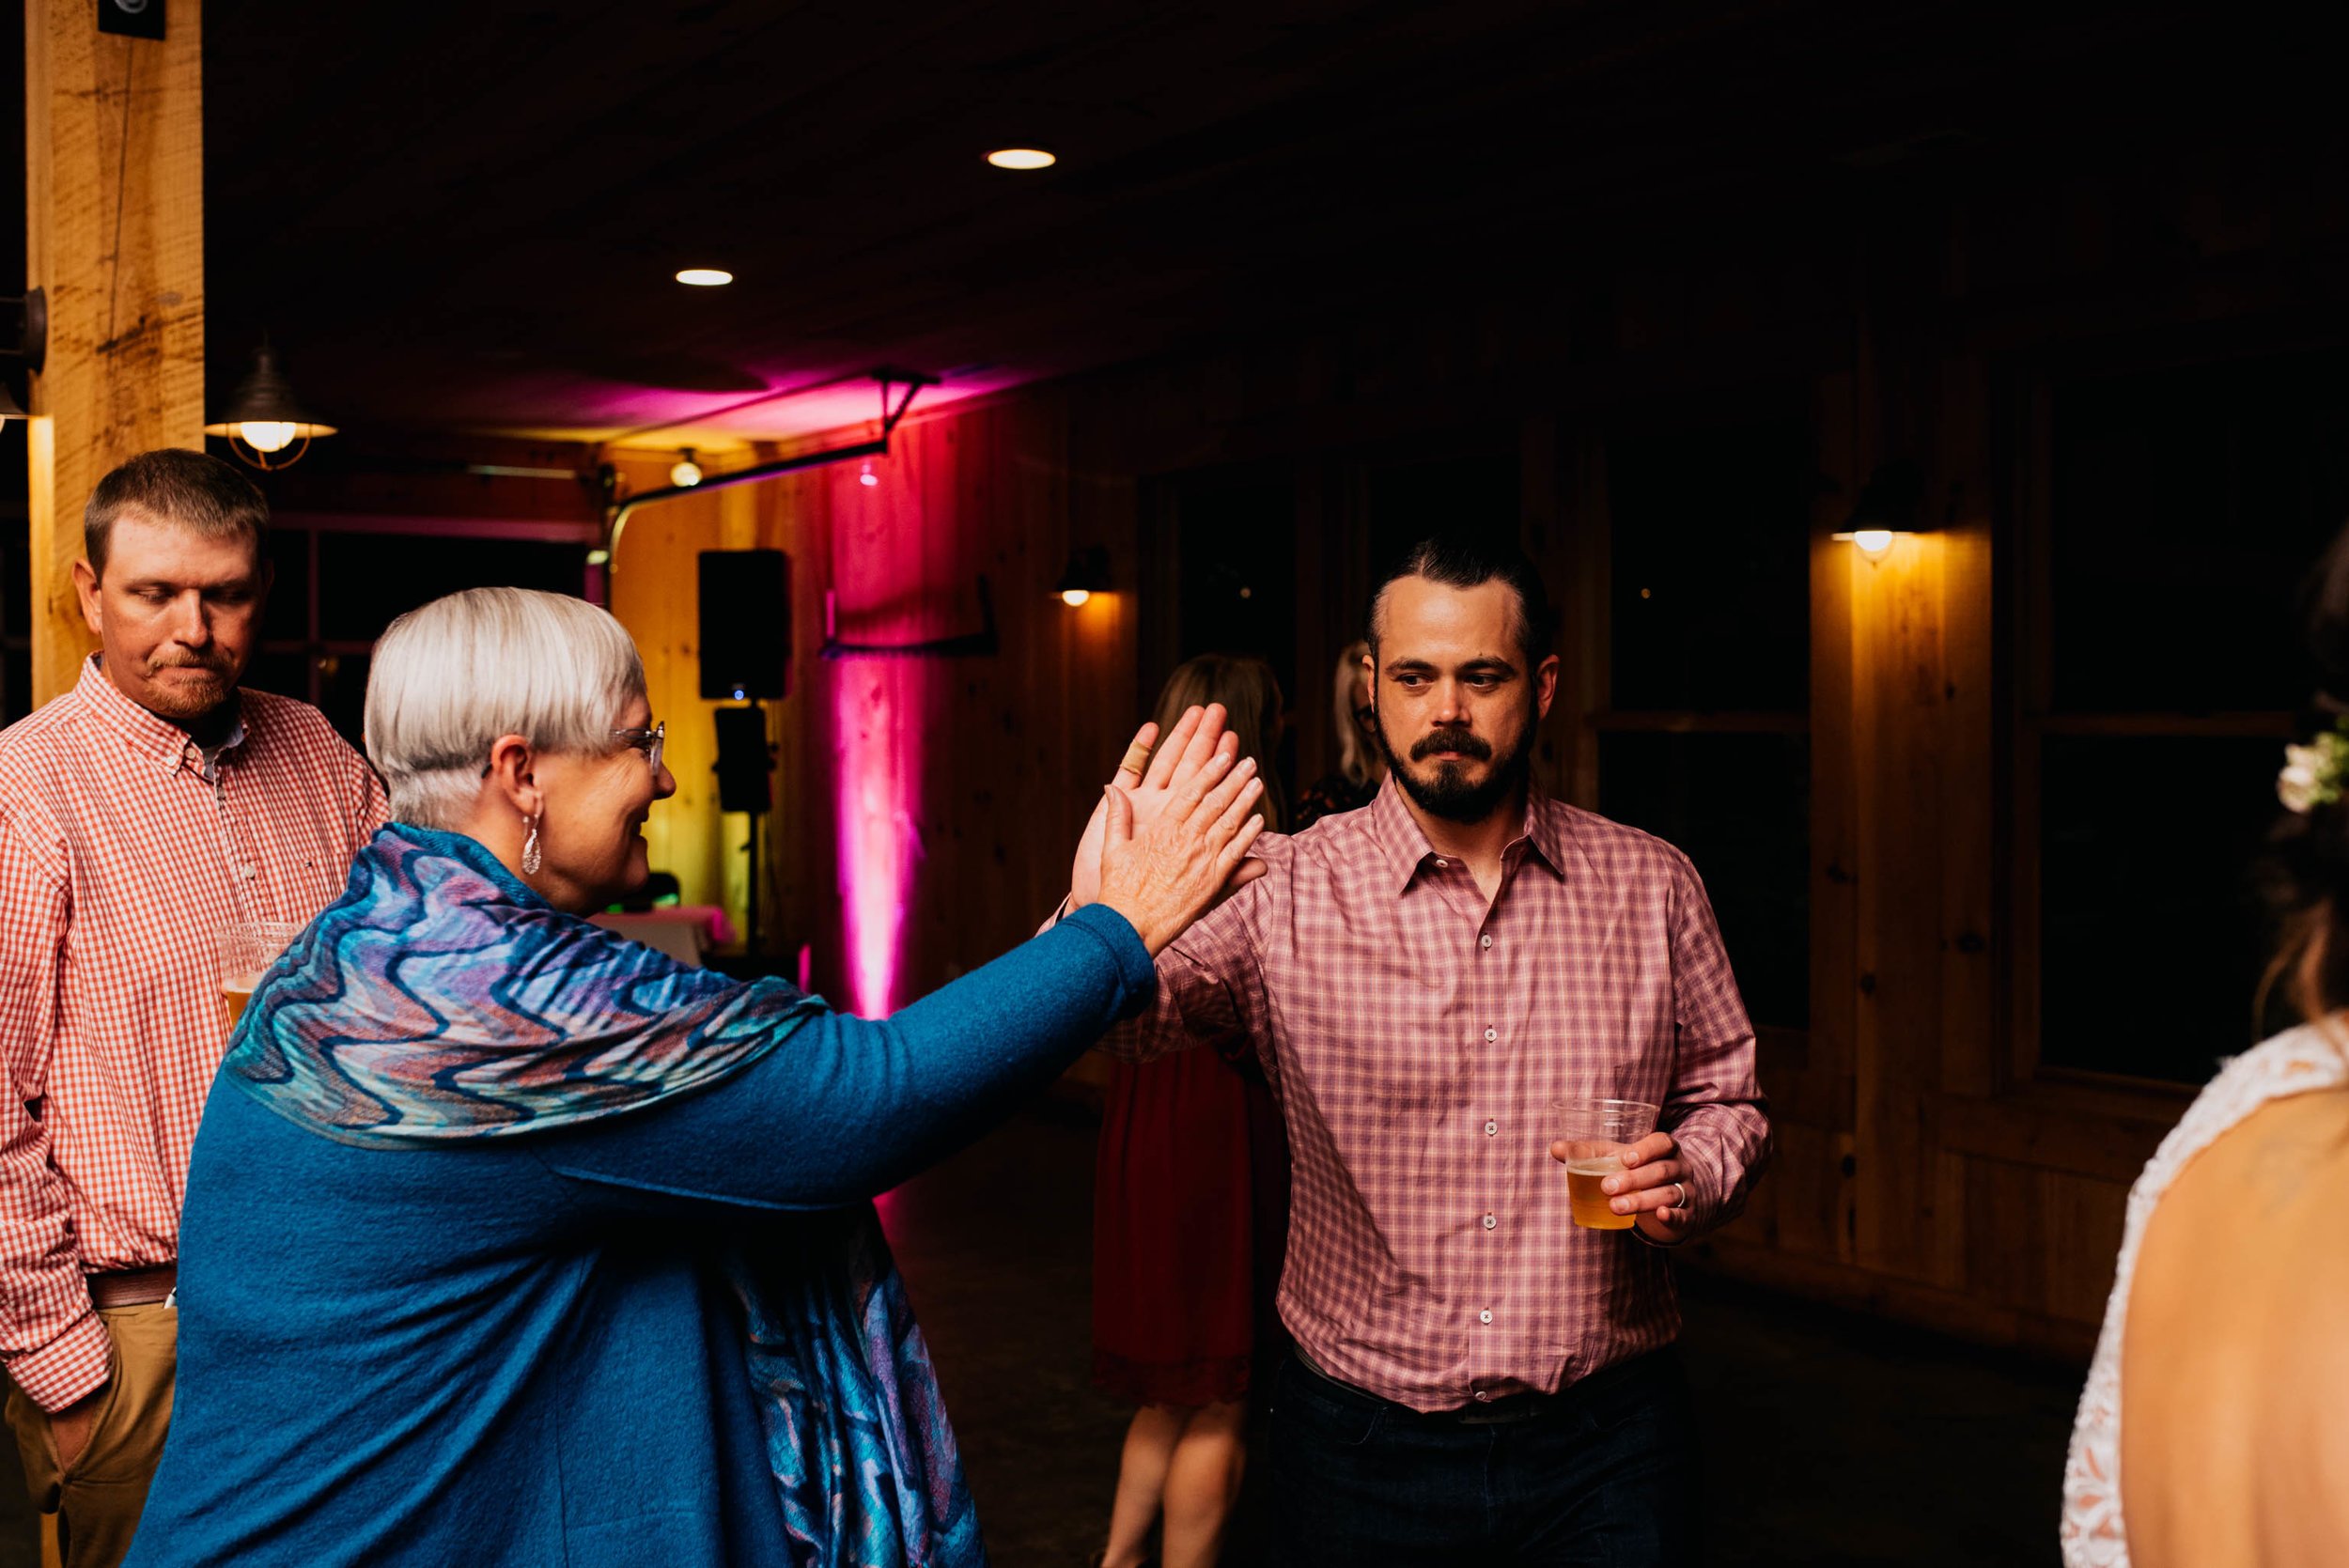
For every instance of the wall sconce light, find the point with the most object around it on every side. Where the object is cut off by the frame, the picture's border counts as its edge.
(1088, 574)
(685, 473)
(265, 425)
(1887, 509)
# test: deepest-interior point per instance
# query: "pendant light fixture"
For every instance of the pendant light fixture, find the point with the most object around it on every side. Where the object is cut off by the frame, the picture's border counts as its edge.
(264, 423)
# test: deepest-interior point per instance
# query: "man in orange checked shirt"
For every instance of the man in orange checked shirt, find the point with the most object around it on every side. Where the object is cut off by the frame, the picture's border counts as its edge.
(140, 812)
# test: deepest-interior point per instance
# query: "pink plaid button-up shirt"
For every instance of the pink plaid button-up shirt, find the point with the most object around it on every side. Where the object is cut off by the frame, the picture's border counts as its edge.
(1417, 1038)
(121, 857)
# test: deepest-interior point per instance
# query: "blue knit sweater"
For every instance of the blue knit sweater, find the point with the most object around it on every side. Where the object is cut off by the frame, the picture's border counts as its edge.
(510, 1352)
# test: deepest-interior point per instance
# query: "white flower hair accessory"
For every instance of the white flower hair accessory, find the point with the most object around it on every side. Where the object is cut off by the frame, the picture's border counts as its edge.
(2316, 774)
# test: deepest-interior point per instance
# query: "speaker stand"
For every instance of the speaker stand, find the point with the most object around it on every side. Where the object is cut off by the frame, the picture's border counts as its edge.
(752, 901)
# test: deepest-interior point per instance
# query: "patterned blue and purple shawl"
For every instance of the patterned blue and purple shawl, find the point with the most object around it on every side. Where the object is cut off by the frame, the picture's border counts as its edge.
(440, 1000)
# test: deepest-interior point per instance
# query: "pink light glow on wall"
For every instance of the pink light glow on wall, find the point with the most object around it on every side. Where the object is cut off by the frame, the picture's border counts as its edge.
(879, 767)
(879, 712)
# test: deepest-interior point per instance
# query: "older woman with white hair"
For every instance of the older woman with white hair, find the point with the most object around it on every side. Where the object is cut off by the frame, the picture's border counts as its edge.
(508, 1240)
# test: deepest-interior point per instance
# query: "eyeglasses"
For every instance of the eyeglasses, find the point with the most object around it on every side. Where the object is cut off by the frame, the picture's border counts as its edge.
(648, 742)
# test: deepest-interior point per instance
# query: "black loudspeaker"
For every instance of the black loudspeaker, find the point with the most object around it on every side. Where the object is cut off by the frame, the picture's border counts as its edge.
(743, 760)
(746, 625)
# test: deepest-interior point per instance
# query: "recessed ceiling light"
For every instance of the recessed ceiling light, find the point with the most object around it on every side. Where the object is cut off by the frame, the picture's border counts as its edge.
(704, 278)
(1021, 157)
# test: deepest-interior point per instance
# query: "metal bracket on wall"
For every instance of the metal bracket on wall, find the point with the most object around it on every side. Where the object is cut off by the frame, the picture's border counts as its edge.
(980, 644)
(617, 510)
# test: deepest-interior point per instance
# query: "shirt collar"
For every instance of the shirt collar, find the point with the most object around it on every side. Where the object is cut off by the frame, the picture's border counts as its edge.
(159, 739)
(1399, 838)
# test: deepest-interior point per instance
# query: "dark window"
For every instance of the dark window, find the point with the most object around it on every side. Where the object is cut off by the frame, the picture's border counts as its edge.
(1236, 544)
(360, 582)
(2189, 508)
(343, 691)
(285, 673)
(1739, 807)
(2151, 939)
(287, 615)
(1709, 542)
(366, 580)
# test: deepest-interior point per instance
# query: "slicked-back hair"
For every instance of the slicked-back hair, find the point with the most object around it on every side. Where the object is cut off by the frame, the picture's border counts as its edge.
(1468, 559)
(193, 491)
(451, 676)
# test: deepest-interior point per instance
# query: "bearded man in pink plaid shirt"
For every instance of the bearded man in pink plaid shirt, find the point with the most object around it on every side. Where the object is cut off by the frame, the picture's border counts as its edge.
(140, 812)
(1476, 1380)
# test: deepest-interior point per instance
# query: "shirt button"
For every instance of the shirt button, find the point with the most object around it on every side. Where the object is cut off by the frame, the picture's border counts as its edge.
(1484, 1395)
(1484, 941)
(1491, 1127)
(1490, 1035)
(1439, 862)
(1490, 1222)
(1485, 1316)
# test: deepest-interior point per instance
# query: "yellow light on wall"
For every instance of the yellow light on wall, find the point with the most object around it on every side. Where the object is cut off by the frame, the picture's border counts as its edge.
(1875, 543)
(1076, 599)
(1021, 157)
(1894, 495)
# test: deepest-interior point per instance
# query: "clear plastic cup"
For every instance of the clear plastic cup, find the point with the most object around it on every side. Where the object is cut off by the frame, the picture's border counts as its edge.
(246, 948)
(1596, 1133)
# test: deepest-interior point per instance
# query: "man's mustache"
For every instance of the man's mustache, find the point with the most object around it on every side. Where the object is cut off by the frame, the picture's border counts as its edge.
(187, 661)
(1451, 743)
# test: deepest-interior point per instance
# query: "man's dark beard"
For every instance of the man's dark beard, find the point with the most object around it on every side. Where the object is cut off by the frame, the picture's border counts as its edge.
(1449, 795)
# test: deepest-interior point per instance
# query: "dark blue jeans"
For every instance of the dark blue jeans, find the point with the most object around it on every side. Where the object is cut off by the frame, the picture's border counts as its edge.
(1603, 1473)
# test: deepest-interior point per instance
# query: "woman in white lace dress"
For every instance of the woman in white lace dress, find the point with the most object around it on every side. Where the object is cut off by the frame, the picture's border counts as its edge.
(2228, 1331)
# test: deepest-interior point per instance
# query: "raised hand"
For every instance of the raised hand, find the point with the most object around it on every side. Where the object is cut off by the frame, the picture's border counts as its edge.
(1147, 777)
(1164, 869)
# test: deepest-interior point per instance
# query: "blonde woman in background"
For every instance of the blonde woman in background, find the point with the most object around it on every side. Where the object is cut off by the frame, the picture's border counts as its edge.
(1360, 769)
(1190, 1200)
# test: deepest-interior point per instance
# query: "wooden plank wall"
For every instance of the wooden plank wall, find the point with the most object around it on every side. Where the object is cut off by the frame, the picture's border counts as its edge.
(1925, 1169)
(114, 234)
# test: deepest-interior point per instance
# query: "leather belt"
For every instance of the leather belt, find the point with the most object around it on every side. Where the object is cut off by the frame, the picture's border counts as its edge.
(1527, 1404)
(134, 1287)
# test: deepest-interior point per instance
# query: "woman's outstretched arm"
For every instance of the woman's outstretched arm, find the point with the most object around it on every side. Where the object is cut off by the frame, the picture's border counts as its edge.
(847, 1107)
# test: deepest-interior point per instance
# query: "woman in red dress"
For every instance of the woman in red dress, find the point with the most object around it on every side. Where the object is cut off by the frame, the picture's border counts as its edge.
(1190, 1223)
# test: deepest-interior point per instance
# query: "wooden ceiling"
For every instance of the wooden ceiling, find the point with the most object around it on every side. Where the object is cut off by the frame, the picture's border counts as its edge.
(467, 218)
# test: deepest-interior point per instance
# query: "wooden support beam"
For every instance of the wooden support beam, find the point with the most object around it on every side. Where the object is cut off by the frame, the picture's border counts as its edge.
(114, 232)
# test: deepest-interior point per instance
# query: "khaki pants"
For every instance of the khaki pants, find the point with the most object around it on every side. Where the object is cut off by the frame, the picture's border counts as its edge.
(98, 1501)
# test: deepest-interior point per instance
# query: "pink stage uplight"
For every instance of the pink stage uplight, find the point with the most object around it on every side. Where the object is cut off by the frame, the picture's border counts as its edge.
(877, 710)
(879, 764)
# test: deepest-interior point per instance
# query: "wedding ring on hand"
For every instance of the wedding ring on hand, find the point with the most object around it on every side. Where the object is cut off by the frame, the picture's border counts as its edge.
(1680, 1195)
(1137, 759)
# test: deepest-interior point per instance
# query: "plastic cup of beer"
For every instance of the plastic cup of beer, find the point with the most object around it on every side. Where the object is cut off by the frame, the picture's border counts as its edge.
(1596, 1133)
(246, 948)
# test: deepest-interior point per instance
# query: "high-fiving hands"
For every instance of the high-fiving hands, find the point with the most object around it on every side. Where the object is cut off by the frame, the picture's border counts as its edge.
(1171, 839)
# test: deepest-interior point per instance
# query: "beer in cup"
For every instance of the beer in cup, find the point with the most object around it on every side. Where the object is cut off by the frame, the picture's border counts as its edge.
(246, 948)
(1596, 1132)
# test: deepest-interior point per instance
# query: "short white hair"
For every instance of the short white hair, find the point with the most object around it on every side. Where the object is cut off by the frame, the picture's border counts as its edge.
(451, 676)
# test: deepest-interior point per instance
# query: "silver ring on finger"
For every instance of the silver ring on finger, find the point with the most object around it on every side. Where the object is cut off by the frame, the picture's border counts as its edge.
(1680, 1195)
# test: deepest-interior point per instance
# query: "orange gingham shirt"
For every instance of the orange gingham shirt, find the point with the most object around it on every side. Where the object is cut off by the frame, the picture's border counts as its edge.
(1417, 1038)
(119, 863)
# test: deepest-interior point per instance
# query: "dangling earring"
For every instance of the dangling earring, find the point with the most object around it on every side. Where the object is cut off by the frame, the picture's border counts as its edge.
(530, 848)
